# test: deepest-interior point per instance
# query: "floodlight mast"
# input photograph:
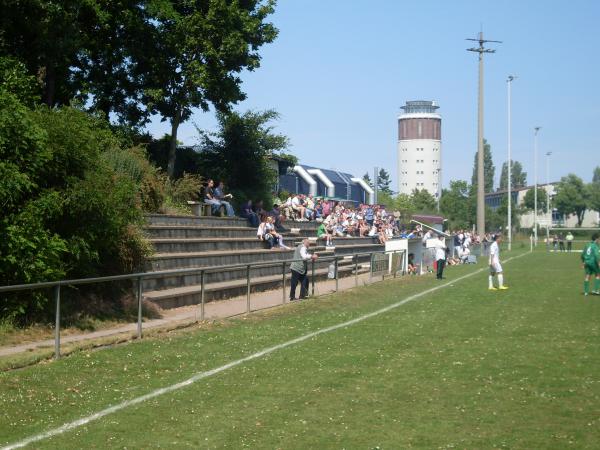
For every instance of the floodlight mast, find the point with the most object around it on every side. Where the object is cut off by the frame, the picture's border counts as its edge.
(480, 159)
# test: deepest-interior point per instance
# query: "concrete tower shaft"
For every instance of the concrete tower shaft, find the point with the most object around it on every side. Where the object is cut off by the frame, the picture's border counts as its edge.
(419, 148)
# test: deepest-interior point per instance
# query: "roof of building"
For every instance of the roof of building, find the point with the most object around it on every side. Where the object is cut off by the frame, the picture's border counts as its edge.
(333, 175)
(428, 218)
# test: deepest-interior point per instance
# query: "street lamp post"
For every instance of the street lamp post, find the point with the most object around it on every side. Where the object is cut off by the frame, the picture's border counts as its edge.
(509, 83)
(535, 199)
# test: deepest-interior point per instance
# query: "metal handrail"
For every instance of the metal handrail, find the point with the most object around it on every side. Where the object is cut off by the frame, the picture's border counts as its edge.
(139, 277)
(225, 267)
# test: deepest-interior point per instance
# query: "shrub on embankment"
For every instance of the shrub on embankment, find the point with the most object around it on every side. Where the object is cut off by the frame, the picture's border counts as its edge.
(68, 209)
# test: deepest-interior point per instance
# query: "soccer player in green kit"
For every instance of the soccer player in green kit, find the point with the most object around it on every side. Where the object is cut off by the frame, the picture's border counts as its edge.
(590, 257)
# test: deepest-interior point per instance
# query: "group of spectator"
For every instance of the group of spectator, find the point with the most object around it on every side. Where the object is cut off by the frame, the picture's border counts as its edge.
(558, 242)
(216, 197)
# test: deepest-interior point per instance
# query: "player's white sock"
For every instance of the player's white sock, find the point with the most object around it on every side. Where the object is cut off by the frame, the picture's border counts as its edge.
(491, 281)
(500, 280)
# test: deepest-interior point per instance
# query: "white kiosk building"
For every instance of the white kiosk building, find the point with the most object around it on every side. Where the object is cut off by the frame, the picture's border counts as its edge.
(420, 148)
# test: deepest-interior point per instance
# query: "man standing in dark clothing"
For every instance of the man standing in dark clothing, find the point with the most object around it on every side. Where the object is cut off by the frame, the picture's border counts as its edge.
(299, 269)
(440, 257)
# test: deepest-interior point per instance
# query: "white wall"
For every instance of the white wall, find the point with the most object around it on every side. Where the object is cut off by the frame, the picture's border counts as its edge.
(419, 165)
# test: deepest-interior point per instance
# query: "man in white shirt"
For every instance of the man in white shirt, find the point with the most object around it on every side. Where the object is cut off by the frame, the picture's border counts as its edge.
(495, 266)
(440, 256)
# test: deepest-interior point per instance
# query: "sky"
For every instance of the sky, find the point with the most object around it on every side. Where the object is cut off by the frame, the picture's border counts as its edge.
(340, 70)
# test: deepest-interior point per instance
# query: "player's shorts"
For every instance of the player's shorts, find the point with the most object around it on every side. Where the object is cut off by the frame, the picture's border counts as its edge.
(591, 269)
(495, 268)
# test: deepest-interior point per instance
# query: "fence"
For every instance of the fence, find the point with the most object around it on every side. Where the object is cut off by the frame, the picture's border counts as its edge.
(392, 267)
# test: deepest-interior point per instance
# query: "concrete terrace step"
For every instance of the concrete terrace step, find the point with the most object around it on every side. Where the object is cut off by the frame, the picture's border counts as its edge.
(190, 295)
(210, 221)
(170, 219)
(198, 231)
(169, 281)
(167, 261)
(195, 245)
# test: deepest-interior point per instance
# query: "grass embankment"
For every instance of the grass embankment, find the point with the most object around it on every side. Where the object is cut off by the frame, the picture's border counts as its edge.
(460, 367)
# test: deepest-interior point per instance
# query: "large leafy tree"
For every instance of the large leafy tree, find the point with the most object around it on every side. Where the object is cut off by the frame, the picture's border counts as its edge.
(194, 54)
(48, 37)
(423, 201)
(367, 179)
(518, 177)
(571, 197)
(596, 177)
(593, 191)
(542, 199)
(488, 168)
(238, 153)
(454, 204)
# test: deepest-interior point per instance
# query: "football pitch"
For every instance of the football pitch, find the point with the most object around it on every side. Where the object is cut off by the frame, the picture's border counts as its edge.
(407, 363)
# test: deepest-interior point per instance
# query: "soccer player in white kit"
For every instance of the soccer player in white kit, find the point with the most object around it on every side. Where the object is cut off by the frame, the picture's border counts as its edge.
(495, 266)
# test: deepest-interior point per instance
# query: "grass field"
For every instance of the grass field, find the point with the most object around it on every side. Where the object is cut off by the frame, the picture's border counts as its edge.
(460, 367)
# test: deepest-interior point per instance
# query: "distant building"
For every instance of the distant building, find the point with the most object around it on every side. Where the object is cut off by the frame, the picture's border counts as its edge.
(494, 201)
(419, 148)
(308, 180)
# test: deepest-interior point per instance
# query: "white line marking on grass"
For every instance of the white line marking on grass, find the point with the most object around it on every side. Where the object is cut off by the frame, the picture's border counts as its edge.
(201, 375)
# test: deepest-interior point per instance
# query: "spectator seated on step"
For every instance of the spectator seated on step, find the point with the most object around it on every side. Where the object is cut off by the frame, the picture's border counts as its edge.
(286, 208)
(209, 197)
(219, 194)
(412, 268)
(298, 207)
(260, 210)
(275, 213)
(273, 238)
(309, 204)
(323, 232)
(247, 212)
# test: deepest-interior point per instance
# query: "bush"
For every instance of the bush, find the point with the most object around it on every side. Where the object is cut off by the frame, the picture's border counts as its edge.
(72, 200)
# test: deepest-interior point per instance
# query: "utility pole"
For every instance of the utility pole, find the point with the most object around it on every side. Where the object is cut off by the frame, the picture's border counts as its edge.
(509, 83)
(535, 192)
(548, 210)
(480, 173)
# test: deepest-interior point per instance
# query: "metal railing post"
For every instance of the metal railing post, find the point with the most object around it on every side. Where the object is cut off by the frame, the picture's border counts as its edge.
(248, 288)
(313, 278)
(202, 289)
(337, 286)
(355, 270)
(57, 322)
(283, 284)
(139, 300)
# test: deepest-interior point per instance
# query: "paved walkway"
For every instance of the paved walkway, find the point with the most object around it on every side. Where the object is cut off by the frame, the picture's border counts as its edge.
(189, 314)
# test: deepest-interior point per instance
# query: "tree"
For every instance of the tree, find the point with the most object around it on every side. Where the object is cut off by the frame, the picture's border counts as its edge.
(542, 199)
(404, 204)
(238, 153)
(383, 183)
(518, 177)
(488, 168)
(593, 193)
(571, 197)
(367, 179)
(454, 204)
(423, 201)
(194, 54)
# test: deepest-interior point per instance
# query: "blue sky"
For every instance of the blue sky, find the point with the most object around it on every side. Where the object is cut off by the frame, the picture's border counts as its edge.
(340, 70)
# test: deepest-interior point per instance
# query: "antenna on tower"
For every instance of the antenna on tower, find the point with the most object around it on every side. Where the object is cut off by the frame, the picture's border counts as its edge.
(482, 41)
